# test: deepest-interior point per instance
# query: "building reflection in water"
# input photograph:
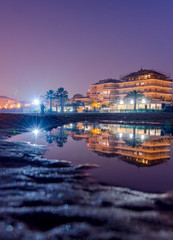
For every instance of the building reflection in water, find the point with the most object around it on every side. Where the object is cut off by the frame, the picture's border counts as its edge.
(139, 145)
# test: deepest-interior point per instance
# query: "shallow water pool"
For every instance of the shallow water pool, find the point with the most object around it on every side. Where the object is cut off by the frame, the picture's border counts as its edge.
(137, 157)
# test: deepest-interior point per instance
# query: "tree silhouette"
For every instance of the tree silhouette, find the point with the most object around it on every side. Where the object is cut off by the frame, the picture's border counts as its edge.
(61, 137)
(49, 137)
(50, 96)
(134, 95)
(61, 95)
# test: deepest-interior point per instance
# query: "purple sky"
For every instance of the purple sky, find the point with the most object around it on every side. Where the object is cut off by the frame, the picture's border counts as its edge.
(46, 44)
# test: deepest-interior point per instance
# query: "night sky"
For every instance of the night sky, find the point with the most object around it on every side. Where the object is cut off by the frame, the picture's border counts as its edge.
(46, 44)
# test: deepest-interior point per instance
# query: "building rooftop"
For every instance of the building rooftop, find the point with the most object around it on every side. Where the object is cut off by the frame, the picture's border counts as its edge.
(82, 97)
(7, 98)
(145, 72)
(4, 97)
(78, 95)
(110, 80)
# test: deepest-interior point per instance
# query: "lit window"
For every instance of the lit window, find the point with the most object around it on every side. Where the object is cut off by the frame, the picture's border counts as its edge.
(152, 133)
(120, 135)
(142, 137)
(152, 106)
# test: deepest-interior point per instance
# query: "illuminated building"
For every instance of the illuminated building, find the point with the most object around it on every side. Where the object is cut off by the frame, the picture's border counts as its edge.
(83, 103)
(156, 87)
(104, 91)
(8, 103)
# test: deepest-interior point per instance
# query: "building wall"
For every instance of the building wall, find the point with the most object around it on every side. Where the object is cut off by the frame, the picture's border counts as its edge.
(105, 93)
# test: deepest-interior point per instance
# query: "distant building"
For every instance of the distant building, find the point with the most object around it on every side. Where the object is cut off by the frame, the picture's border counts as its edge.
(81, 102)
(76, 96)
(156, 87)
(79, 98)
(8, 103)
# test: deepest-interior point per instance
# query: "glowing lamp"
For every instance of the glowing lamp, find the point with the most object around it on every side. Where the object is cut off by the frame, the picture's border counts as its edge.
(36, 102)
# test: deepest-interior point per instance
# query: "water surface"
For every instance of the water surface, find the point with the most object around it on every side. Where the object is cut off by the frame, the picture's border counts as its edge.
(137, 157)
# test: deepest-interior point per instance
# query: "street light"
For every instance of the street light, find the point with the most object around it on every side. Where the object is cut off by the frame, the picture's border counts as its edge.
(36, 102)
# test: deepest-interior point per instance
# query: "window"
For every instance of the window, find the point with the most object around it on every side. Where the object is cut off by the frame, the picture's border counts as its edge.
(152, 106)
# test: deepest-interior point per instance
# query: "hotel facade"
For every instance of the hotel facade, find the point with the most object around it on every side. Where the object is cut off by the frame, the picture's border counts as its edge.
(156, 88)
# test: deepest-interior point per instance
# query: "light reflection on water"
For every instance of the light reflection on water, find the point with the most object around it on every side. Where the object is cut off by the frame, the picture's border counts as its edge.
(139, 157)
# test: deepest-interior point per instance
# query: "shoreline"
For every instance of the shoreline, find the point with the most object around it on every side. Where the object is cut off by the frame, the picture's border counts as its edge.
(47, 120)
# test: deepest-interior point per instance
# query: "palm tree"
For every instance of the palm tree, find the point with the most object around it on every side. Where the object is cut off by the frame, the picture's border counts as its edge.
(62, 96)
(61, 137)
(50, 95)
(134, 95)
(49, 136)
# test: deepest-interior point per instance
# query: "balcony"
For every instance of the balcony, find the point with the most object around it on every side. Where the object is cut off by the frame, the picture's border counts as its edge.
(145, 85)
(146, 91)
(110, 88)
